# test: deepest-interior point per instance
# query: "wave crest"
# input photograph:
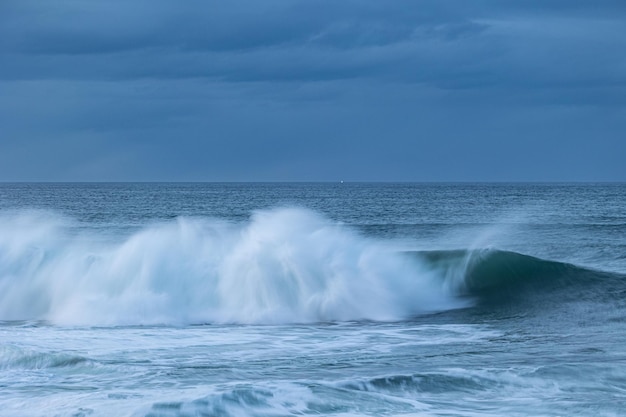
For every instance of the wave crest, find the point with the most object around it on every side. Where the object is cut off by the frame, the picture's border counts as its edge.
(284, 265)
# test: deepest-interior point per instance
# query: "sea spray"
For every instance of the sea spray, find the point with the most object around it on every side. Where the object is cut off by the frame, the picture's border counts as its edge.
(282, 266)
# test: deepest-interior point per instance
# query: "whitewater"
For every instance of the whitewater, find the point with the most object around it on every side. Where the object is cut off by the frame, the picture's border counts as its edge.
(284, 265)
(309, 299)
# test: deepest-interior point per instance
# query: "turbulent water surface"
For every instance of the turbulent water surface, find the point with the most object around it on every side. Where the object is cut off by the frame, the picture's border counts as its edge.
(312, 299)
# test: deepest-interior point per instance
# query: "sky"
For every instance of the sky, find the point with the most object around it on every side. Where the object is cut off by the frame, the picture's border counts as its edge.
(315, 90)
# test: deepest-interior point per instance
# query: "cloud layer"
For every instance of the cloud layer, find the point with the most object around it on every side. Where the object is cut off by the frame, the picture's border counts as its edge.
(325, 90)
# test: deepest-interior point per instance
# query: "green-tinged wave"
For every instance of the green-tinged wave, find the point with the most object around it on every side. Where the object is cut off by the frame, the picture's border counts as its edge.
(498, 276)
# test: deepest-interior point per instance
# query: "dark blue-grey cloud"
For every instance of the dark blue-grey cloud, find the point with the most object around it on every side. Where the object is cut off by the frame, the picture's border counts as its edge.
(306, 90)
(283, 41)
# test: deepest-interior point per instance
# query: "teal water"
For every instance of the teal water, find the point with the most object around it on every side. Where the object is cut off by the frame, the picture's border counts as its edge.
(312, 299)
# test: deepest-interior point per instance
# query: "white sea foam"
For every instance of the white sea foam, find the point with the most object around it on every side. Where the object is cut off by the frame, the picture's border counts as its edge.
(282, 266)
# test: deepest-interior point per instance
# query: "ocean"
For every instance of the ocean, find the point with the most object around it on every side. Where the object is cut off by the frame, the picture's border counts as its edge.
(333, 299)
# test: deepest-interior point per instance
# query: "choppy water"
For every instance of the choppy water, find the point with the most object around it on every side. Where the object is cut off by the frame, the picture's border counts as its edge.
(312, 299)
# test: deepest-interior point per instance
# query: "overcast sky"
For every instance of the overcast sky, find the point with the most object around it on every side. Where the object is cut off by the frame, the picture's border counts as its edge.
(316, 90)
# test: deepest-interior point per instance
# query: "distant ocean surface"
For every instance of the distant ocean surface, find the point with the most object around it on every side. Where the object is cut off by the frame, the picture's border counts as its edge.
(312, 299)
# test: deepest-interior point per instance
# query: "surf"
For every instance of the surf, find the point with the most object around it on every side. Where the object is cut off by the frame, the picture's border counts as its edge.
(285, 265)
(282, 266)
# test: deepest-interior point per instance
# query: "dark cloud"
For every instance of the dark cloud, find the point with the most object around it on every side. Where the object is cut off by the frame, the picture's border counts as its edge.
(306, 90)
(437, 42)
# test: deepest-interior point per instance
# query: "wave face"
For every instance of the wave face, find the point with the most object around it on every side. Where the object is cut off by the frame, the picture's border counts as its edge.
(493, 276)
(284, 265)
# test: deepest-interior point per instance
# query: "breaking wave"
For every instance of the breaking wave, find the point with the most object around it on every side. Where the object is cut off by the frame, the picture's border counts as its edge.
(282, 266)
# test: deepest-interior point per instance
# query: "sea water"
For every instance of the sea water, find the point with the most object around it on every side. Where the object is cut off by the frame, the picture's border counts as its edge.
(312, 299)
